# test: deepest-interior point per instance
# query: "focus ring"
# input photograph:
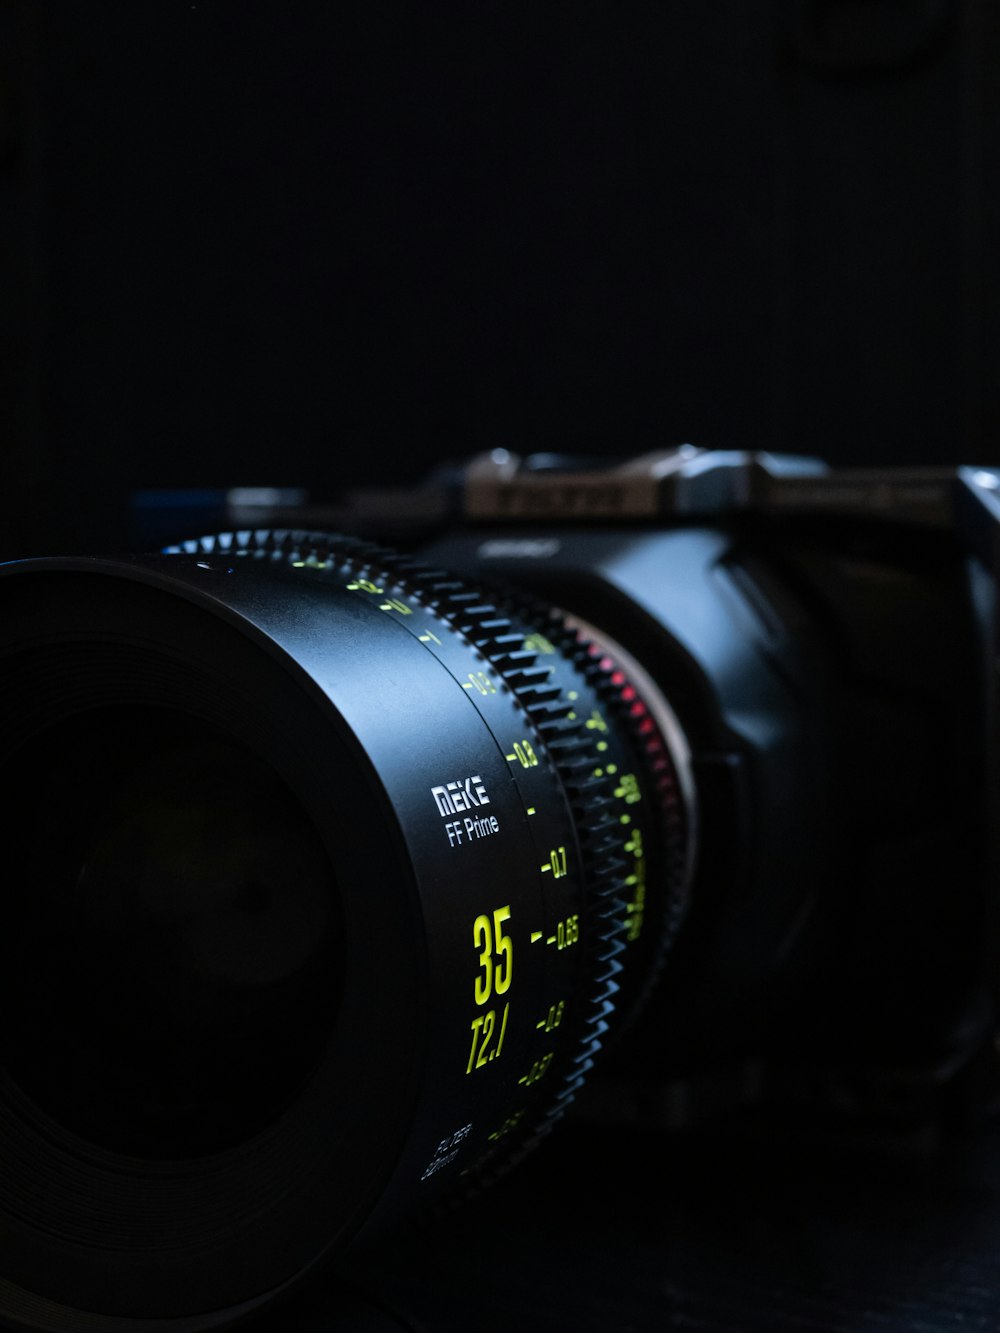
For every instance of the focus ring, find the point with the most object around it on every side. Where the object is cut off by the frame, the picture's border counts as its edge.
(489, 626)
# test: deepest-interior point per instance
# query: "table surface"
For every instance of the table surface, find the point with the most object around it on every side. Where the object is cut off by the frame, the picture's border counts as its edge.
(612, 1231)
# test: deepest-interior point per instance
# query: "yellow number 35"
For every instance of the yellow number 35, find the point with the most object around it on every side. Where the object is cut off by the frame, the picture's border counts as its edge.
(496, 954)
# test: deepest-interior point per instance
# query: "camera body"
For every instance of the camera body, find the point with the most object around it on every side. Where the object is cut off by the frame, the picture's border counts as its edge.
(826, 640)
(353, 848)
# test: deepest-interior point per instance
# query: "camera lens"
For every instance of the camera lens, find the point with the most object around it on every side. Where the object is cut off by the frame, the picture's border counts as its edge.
(329, 878)
(170, 957)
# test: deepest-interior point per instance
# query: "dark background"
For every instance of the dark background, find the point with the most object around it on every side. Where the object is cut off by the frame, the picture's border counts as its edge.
(314, 244)
(318, 245)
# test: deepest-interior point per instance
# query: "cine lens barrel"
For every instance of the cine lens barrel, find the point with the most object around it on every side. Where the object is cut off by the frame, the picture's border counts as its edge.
(328, 876)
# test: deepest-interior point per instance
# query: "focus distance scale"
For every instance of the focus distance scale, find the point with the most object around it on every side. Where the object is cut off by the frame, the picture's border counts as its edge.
(427, 840)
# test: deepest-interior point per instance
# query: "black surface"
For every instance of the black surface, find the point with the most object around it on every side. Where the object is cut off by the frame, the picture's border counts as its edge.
(634, 1232)
(306, 244)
